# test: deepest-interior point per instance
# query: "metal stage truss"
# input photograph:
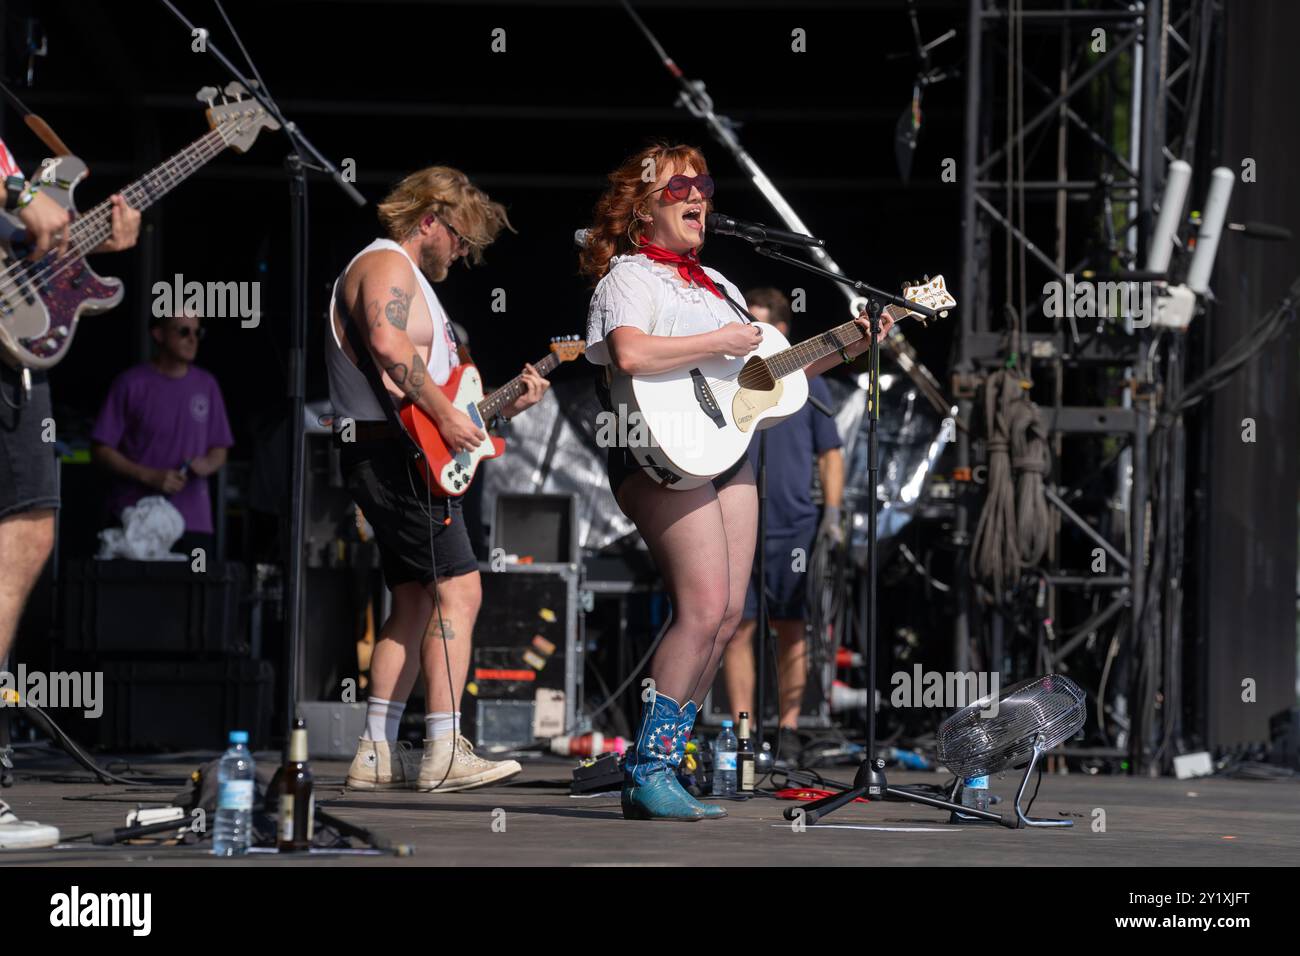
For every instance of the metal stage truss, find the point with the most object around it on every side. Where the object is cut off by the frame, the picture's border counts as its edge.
(1073, 113)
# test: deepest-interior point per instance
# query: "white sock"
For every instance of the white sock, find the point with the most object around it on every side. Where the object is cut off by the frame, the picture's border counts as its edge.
(383, 718)
(441, 723)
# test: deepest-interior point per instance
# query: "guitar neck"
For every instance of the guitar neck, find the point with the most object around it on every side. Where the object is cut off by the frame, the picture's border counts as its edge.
(798, 357)
(510, 391)
(96, 225)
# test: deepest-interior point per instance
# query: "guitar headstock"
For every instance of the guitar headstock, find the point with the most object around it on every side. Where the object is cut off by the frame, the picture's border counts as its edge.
(931, 293)
(568, 347)
(238, 120)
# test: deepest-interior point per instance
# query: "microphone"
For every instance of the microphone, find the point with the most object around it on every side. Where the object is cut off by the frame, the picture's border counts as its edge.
(756, 232)
(580, 237)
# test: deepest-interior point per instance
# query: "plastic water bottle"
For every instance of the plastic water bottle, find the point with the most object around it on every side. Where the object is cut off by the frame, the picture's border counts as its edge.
(724, 762)
(235, 785)
(974, 794)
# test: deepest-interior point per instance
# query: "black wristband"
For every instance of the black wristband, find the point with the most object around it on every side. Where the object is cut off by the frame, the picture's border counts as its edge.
(14, 186)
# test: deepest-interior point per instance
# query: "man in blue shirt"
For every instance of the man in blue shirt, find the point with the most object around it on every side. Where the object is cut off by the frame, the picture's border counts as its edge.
(805, 439)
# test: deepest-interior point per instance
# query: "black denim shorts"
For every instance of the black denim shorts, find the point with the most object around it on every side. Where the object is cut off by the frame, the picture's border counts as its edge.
(29, 476)
(421, 537)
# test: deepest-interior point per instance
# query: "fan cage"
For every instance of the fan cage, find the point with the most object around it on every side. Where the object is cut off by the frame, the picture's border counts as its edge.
(971, 744)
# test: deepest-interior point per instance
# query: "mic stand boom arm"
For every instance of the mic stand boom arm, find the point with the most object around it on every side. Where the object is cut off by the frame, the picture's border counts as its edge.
(866, 294)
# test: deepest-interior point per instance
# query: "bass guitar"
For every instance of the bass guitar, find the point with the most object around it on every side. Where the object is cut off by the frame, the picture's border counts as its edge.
(41, 301)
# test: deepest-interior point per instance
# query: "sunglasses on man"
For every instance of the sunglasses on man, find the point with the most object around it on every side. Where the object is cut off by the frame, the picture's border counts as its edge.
(462, 244)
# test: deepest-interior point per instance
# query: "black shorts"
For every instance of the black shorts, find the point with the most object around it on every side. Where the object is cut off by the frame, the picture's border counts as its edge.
(787, 589)
(621, 465)
(29, 475)
(415, 543)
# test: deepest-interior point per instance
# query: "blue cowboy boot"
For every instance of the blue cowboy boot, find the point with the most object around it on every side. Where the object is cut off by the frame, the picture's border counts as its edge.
(685, 724)
(650, 787)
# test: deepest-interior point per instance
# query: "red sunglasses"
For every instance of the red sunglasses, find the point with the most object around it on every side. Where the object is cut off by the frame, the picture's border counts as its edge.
(679, 187)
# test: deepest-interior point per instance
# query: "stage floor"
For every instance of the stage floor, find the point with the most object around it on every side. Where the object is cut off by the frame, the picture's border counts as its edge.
(1161, 822)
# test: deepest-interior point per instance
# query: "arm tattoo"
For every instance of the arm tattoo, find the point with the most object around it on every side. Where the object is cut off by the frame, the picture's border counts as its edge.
(398, 373)
(398, 307)
(417, 372)
(409, 378)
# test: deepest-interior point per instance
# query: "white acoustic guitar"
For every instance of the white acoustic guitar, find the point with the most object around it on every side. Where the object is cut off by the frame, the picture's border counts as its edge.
(687, 426)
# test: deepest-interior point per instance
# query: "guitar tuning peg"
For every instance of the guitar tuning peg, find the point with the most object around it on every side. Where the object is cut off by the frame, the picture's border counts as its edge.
(236, 90)
(207, 95)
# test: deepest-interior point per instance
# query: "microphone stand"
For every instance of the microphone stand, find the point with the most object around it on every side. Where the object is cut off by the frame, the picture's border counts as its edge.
(304, 156)
(870, 779)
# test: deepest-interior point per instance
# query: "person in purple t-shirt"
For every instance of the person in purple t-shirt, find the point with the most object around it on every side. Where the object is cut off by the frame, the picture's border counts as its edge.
(163, 430)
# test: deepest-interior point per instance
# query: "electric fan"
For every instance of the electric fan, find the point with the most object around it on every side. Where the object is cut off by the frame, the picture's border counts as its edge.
(1024, 722)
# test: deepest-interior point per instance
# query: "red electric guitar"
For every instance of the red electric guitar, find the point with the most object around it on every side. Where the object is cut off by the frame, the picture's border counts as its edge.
(449, 474)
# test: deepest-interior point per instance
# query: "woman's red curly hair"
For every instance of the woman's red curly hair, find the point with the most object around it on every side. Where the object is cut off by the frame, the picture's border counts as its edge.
(608, 235)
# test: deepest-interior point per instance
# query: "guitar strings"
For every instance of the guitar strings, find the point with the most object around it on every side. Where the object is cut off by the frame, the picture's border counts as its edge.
(493, 403)
(94, 220)
(795, 353)
(89, 230)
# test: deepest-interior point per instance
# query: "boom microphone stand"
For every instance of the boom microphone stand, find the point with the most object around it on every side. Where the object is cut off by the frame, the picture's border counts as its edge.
(304, 156)
(870, 779)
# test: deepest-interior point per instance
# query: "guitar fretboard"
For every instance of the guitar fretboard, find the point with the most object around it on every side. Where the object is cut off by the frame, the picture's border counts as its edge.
(510, 391)
(796, 357)
(93, 227)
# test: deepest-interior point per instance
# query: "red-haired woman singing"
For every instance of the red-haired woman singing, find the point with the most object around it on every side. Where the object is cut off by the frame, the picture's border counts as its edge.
(656, 308)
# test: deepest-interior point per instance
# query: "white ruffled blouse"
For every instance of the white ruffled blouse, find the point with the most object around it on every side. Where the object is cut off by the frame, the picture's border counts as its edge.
(652, 297)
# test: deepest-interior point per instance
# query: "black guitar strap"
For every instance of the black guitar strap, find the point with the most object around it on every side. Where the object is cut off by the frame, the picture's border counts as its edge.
(737, 307)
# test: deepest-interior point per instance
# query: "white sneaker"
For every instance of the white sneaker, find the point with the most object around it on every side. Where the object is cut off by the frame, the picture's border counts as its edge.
(450, 763)
(380, 765)
(18, 834)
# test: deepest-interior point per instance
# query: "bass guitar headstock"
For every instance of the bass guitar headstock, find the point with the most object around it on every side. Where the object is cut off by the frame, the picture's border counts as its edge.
(239, 120)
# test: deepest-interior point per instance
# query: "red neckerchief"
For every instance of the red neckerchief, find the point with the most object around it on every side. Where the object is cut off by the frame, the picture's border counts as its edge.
(688, 266)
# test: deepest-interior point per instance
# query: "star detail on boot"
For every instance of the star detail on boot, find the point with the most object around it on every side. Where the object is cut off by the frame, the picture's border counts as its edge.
(660, 738)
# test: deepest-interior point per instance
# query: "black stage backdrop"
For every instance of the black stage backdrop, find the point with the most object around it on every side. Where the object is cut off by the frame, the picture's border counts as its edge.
(1247, 599)
(397, 86)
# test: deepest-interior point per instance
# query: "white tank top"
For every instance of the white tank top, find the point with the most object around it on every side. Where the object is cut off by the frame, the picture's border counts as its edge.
(350, 391)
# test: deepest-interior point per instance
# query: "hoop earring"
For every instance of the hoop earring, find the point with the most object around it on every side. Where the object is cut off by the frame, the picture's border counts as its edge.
(636, 220)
